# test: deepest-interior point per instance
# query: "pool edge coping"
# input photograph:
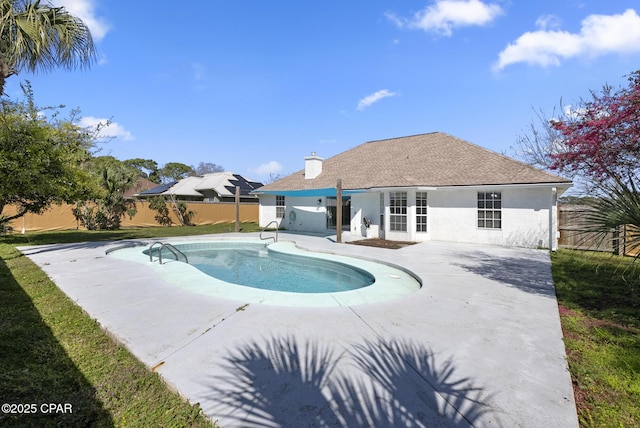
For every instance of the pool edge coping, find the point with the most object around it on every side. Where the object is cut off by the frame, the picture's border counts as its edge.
(179, 275)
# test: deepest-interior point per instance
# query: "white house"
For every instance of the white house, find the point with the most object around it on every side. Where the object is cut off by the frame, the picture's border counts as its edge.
(418, 188)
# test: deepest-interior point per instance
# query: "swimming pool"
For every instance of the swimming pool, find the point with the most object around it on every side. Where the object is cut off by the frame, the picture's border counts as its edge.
(253, 265)
(277, 274)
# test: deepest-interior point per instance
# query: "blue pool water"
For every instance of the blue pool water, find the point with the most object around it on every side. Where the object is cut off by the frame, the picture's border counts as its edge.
(253, 265)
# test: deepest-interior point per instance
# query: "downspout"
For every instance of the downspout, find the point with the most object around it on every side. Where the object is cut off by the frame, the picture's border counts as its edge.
(553, 220)
(237, 205)
(339, 211)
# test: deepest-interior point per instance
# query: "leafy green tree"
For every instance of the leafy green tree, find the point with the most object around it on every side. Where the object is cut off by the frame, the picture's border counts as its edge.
(185, 215)
(113, 205)
(41, 160)
(174, 171)
(159, 205)
(107, 211)
(147, 168)
(41, 37)
(100, 163)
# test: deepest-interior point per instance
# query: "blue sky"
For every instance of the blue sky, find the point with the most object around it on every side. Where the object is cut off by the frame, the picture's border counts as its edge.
(255, 86)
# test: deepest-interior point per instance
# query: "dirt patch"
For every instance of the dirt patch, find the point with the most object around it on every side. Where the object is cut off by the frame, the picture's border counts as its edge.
(382, 243)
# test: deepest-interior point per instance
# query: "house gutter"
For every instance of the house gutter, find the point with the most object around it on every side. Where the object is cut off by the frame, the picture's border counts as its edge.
(327, 191)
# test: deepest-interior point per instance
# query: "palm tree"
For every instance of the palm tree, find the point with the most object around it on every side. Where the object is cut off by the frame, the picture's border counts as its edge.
(618, 206)
(36, 37)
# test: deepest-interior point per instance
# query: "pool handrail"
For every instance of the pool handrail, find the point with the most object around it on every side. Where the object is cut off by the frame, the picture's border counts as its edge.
(270, 237)
(168, 246)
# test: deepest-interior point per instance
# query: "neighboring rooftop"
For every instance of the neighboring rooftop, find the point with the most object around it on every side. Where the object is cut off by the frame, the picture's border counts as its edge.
(431, 160)
(217, 185)
(140, 185)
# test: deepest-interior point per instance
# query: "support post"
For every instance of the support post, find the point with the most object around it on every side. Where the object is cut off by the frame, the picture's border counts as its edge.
(339, 211)
(237, 208)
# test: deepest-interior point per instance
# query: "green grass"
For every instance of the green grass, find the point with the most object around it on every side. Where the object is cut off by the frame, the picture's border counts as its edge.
(599, 298)
(52, 352)
(70, 236)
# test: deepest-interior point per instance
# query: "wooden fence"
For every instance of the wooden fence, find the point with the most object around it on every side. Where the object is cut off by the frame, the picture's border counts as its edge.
(571, 222)
(60, 217)
(573, 226)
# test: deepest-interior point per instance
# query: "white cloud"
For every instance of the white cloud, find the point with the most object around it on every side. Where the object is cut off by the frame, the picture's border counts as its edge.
(271, 167)
(548, 22)
(445, 15)
(113, 130)
(84, 9)
(370, 99)
(599, 35)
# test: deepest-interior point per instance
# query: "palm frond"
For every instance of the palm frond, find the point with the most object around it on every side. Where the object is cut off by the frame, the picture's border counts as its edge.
(43, 37)
(618, 207)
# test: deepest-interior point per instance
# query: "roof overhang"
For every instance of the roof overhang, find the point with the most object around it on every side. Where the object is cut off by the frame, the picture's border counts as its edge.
(327, 191)
(331, 191)
(559, 185)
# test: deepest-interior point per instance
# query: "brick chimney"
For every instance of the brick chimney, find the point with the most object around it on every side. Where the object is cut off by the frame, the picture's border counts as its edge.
(312, 166)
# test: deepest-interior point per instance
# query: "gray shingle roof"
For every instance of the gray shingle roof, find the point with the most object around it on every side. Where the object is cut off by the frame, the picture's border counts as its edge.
(435, 159)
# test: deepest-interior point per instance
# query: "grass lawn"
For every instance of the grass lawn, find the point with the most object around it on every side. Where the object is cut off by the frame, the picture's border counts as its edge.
(599, 299)
(52, 352)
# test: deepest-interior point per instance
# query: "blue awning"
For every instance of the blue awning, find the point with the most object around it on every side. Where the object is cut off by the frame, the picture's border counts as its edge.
(327, 191)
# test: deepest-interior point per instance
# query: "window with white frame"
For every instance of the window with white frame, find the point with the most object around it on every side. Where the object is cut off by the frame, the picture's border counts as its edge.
(398, 211)
(489, 210)
(421, 211)
(280, 206)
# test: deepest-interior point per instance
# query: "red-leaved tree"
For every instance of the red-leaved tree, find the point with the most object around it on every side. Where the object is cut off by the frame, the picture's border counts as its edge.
(601, 138)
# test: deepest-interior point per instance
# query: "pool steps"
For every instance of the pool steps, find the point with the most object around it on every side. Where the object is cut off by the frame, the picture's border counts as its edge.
(169, 247)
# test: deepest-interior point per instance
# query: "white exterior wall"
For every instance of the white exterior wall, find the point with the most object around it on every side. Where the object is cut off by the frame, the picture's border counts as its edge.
(308, 215)
(365, 205)
(527, 213)
(267, 209)
(452, 215)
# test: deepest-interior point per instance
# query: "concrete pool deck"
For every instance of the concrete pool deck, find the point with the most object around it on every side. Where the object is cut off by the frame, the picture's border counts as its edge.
(479, 344)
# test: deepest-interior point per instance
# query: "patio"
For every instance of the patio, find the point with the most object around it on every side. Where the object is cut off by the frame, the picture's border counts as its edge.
(479, 344)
